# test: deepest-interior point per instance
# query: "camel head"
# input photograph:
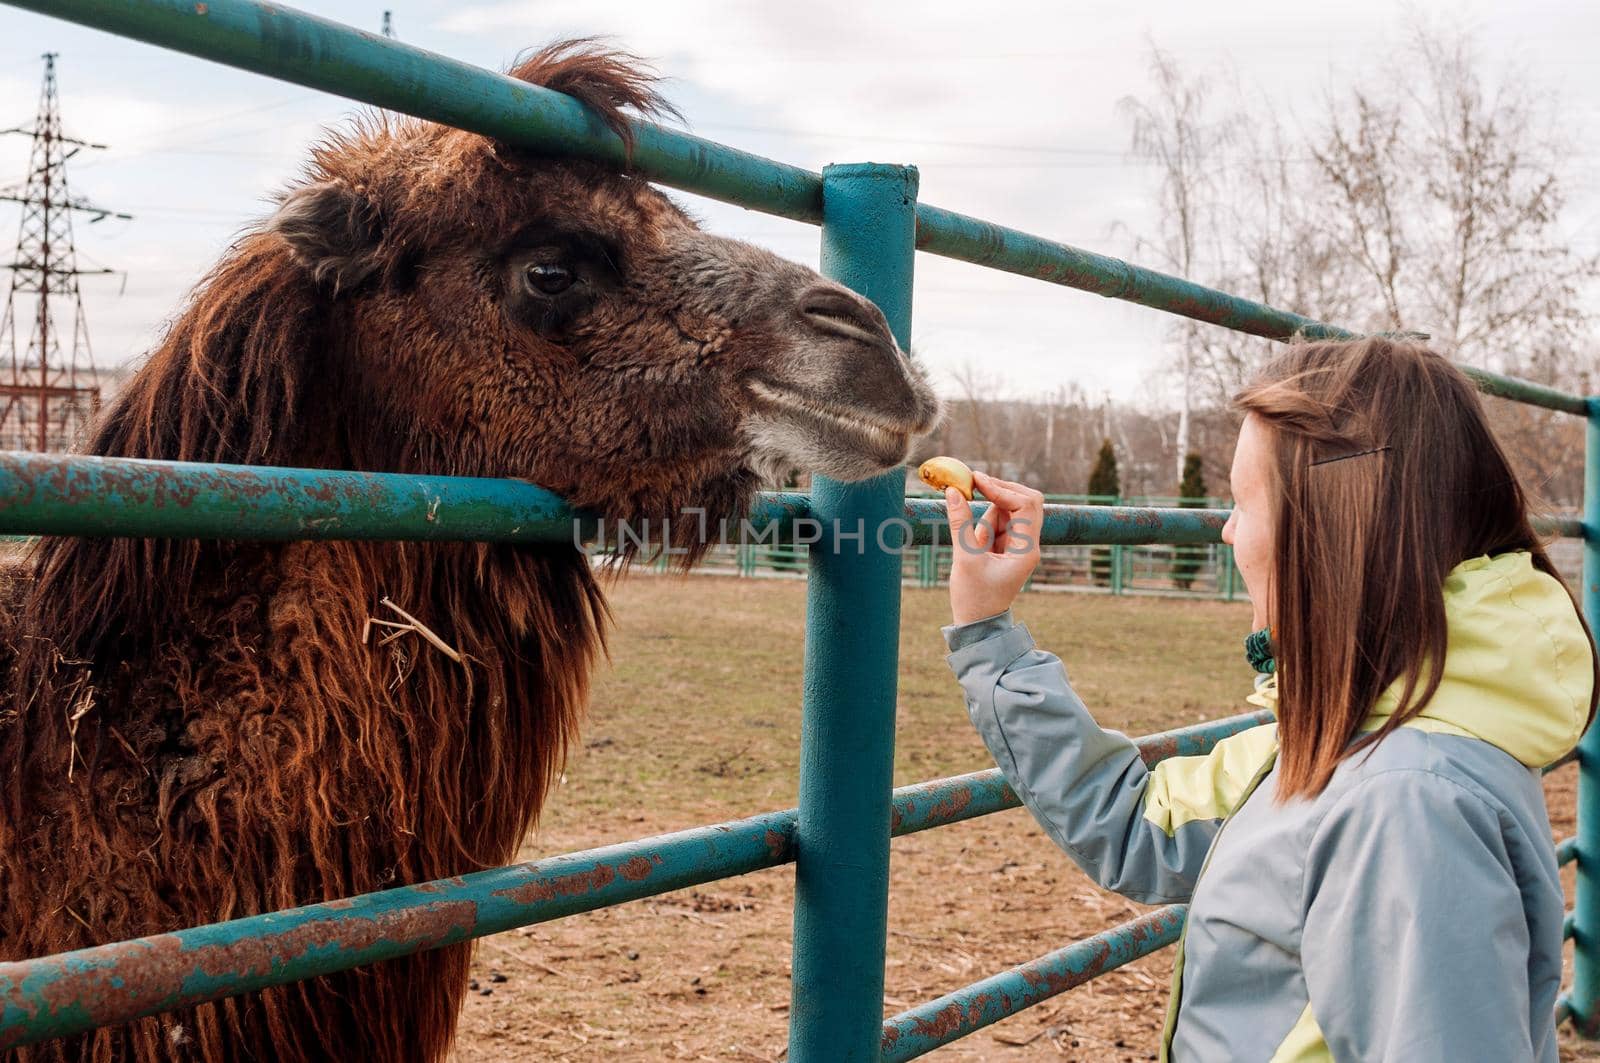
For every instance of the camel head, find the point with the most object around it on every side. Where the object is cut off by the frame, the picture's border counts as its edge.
(518, 314)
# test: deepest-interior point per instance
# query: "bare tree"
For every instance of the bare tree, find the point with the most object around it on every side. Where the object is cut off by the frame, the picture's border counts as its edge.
(976, 412)
(1416, 198)
(1050, 442)
(1175, 130)
(1277, 249)
(1449, 195)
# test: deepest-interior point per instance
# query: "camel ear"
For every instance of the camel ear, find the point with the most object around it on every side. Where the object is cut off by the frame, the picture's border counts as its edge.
(333, 230)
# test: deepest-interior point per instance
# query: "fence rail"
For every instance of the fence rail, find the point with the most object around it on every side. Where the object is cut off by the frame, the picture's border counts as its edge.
(839, 836)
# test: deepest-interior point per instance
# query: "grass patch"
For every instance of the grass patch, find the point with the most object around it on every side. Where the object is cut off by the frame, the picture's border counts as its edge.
(697, 718)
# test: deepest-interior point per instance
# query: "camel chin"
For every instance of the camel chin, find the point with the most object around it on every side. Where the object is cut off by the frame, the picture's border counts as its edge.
(843, 451)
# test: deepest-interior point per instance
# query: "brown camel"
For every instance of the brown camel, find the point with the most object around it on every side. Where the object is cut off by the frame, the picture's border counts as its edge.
(197, 731)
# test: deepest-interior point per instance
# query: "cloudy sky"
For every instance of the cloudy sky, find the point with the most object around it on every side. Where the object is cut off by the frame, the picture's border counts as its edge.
(1009, 110)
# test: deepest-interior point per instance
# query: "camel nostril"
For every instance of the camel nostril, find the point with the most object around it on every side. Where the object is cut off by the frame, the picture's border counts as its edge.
(840, 312)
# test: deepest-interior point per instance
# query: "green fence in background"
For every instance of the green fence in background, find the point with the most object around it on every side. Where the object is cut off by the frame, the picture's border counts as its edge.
(1194, 570)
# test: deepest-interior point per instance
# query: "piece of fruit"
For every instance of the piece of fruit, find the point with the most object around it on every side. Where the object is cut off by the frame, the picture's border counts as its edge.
(942, 472)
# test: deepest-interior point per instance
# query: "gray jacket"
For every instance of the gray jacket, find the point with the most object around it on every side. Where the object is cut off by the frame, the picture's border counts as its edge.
(1411, 911)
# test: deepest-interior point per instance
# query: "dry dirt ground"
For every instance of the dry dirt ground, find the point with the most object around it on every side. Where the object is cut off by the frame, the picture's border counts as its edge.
(697, 720)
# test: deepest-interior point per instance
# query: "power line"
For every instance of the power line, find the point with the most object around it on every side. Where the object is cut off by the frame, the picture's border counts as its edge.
(231, 133)
(48, 392)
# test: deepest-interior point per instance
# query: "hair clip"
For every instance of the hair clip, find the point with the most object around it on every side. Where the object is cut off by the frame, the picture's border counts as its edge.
(1357, 454)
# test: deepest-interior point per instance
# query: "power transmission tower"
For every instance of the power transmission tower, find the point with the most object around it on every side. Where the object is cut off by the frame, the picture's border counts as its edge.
(48, 390)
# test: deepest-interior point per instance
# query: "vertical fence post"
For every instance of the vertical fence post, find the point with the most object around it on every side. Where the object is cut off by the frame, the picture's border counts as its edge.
(1586, 908)
(851, 659)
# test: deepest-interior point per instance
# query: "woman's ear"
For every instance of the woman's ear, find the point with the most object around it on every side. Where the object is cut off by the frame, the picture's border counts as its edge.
(333, 230)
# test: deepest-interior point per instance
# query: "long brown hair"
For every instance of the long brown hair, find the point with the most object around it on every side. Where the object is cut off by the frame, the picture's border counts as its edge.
(1363, 544)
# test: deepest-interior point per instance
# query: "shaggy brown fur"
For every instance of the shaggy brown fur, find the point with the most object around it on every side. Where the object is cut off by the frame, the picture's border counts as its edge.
(196, 730)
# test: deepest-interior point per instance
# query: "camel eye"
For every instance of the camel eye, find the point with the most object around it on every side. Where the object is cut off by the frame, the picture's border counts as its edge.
(548, 278)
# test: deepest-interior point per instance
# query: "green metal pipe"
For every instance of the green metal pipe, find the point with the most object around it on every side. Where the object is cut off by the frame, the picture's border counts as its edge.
(943, 232)
(852, 653)
(922, 1029)
(56, 996)
(1527, 392)
(57, 494)
(293, 46)
(1566, 527)
(1063, 525)
(941, 802)
(1585, 994)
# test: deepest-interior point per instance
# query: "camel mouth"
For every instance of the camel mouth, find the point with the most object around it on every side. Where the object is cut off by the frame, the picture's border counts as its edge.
(826, 437)
(879, 436)
(855, 419)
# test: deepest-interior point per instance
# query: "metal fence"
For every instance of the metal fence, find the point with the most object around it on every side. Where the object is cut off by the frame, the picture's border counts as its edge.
(838, 837)
(1189, 570)
(1195, 570)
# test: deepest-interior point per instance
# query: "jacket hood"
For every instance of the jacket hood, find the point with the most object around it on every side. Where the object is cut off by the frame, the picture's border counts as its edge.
(1517, 666)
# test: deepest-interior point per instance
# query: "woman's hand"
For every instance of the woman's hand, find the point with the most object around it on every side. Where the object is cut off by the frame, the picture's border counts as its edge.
(994, 555)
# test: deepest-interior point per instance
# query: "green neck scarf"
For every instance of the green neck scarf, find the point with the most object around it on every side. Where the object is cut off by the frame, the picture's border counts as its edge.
(1258, 650)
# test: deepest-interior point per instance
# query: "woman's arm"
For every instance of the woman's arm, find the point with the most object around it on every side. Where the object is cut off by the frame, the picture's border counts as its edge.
(1143, 833)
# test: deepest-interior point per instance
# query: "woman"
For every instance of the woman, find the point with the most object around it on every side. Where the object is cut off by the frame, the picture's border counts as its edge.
(1386, 887)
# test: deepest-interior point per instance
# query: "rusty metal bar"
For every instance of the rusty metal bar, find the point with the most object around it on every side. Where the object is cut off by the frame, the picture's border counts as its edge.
(76, 991)
(921, 1029)
(60, 494)
(304, 49)
(1565, 527)
(1124, 525)
(51, 494)
(942, 802)
(952, 235)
